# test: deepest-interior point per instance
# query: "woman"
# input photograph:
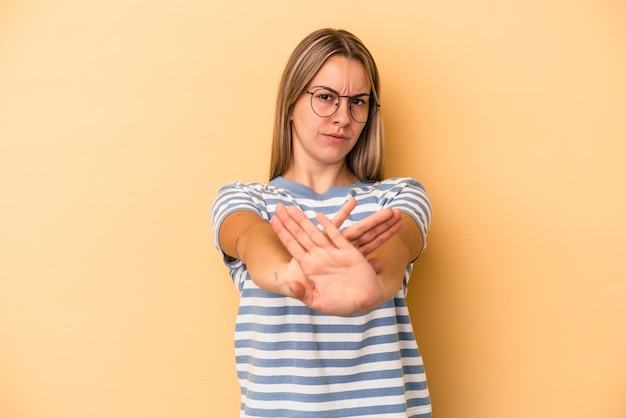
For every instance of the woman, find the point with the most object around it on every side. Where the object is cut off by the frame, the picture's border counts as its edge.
(322, 254)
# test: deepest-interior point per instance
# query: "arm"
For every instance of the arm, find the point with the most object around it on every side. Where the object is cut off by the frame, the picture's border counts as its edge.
(393, 256)
(246, 236)
(340, 279)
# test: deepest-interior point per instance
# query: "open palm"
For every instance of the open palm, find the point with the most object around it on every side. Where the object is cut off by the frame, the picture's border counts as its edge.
(327, 272)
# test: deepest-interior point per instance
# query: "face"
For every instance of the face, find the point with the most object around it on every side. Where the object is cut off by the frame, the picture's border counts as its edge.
(319, 141)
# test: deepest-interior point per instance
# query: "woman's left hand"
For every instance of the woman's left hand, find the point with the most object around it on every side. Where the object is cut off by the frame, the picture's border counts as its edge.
(370, 233)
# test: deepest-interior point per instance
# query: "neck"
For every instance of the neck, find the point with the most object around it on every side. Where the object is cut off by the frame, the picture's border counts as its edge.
(321, 180)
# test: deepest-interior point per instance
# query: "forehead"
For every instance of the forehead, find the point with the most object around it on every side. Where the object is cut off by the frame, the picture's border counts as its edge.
(345, 75)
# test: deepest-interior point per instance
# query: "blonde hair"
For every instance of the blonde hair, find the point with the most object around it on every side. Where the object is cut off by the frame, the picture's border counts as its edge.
(365, 160)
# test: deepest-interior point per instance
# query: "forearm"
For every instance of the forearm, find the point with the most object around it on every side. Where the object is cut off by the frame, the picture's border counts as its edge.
(265, 256)
(247, 237)
(389, 262)
(392, 258)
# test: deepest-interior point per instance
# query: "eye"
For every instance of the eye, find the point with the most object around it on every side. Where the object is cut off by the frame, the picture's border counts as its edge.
(359, 101)
(326, 96)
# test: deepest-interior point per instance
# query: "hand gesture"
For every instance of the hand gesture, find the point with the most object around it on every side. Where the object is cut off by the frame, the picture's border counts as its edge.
(327, 272)
(370, 233)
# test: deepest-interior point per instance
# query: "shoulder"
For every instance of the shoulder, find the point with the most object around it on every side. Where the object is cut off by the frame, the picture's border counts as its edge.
(238, 187)
(400, 183)
(408, 195)
(239, 190)
(404, 188)
(236, 196)
(392, 188)
(259, 198)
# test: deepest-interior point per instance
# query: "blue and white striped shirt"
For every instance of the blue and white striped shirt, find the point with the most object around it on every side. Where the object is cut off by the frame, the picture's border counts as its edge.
(295, 362)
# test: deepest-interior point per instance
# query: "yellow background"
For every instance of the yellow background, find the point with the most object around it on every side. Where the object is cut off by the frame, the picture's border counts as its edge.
(120, 119)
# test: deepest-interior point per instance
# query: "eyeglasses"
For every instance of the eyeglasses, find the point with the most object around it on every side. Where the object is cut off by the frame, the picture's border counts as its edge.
(325, 103)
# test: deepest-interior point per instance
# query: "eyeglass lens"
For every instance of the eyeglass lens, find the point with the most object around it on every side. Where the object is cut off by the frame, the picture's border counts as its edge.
(326, 102)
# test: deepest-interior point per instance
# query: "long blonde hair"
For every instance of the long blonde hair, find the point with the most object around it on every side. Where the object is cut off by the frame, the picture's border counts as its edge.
(366, 159)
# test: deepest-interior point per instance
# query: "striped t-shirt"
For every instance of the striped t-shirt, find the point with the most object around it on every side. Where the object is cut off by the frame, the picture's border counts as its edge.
(295, 362)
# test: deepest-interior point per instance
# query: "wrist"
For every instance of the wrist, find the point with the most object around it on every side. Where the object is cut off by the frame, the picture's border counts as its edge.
(290, 279)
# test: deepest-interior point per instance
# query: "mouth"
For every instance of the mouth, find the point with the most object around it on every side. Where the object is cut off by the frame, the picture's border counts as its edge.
(336, 137)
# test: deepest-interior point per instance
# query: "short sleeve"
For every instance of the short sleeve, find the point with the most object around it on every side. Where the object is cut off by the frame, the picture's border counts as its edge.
(231, 198)
(410, 197)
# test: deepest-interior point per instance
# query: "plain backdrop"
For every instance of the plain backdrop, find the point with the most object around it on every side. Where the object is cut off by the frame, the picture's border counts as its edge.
(120, 119)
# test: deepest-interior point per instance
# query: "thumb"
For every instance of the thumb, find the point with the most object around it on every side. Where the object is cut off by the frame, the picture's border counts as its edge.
(297, 290)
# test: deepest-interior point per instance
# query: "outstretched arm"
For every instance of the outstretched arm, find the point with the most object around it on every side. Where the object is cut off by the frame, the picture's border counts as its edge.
(340, 279)
(246, 236)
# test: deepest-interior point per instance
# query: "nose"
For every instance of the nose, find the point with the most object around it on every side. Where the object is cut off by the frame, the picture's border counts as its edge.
(342, 115)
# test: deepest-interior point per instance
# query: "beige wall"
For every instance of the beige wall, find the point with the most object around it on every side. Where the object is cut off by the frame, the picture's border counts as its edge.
(120, 119)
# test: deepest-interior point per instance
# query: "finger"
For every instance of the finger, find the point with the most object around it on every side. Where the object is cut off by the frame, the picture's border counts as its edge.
(392, 224)
(298, 290)
(354, 232)
(292, 245)
(332, 232)
(312, 231)
(301, 228)
(370, 240)
(344, 212)
(372, 245)
(292, 228)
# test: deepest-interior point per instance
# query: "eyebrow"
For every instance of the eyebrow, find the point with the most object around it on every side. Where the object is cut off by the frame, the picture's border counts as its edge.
(335, 91)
